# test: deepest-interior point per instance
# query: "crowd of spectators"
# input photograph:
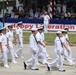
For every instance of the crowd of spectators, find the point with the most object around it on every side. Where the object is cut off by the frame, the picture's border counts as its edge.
(27, 11)
(63, 10)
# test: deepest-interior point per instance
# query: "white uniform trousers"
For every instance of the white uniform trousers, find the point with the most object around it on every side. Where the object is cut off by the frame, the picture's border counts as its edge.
(32, 61)
(20, 48)
(58, 60)
(70, 52)
(66, 56)
(46, 52)
(46, 26)
(42, 53)
(4, 48)
(11, 51)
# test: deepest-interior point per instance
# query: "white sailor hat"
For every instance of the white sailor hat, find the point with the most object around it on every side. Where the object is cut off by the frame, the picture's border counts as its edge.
(65, 31)
(58, 32)
(40, 28)
(2, 28)
(19, 23)
(34, 29)
(9, 25)
(45, 12)
(41, 25)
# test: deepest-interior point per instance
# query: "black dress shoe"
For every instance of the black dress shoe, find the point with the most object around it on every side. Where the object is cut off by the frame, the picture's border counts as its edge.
(48, 67)
(62, 70)
(25, 66)
(35, 69)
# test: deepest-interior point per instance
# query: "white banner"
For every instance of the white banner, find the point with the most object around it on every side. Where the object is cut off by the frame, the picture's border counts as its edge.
(51, 27)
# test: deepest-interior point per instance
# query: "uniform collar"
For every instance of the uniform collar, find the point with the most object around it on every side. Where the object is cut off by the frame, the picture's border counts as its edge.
(10, 31)
(19, 27)
(3, 34)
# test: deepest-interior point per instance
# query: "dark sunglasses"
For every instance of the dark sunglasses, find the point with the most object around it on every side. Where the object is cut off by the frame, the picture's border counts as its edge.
(10, 26)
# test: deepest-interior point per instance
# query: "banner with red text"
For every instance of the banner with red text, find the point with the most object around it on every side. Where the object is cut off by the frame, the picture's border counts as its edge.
(51, 27)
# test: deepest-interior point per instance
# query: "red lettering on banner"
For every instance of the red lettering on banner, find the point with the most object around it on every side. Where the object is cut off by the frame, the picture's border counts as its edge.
(23, 26)
(26, 26)
(51, 27)
(37, 25)
(70, 27)
(14, 25)
(54, 27)
(62, 26)
(57, 27)
(31, 26)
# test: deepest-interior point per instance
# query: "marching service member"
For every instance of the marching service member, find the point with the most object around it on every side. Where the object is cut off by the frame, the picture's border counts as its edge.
(33, 51)
(4, 46)
(46, 21)
(65, 34)
(41, 45)
(67, 53)
(10, 39)
(19, 36)
(47, 55)
(59, 53)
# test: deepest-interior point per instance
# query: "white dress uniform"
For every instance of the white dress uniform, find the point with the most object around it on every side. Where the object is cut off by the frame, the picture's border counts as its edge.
(10, 41)
(63, 40)
(70, 51)
(3, 40)
(46, 22)
(20, 45)
(59, 56)
(41, 48)
(44, 43)
(33, 47)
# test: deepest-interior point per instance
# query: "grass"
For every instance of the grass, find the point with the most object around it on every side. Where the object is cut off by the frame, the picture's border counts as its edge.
(49, 37)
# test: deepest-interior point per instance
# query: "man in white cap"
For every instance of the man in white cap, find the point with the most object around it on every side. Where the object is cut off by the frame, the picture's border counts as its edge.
(46, 21)
(59, 53)
(41, 45)
(67, 54)
(10, 39)
(19, 34)
(43, 36)
(4, 46)
(33, 51)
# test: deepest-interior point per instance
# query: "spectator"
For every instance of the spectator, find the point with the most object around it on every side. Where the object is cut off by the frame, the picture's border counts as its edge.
(59, 7)
(62, 15)
(64, 7)
(31, 12)
(21, 7)
(73, 16)
(21, 14)
(7, 15)
(12, 14)
(36, 14)
(27, 14)
(48, 6)
(65, 15)
(15, 10)
(57, 14)
(69, 15)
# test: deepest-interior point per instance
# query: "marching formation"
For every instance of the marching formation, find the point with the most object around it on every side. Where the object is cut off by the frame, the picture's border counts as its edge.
(38, 49)
(6, 43)
(37, 46)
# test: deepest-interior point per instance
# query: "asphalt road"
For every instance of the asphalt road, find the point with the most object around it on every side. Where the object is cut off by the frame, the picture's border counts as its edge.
(18, 69)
